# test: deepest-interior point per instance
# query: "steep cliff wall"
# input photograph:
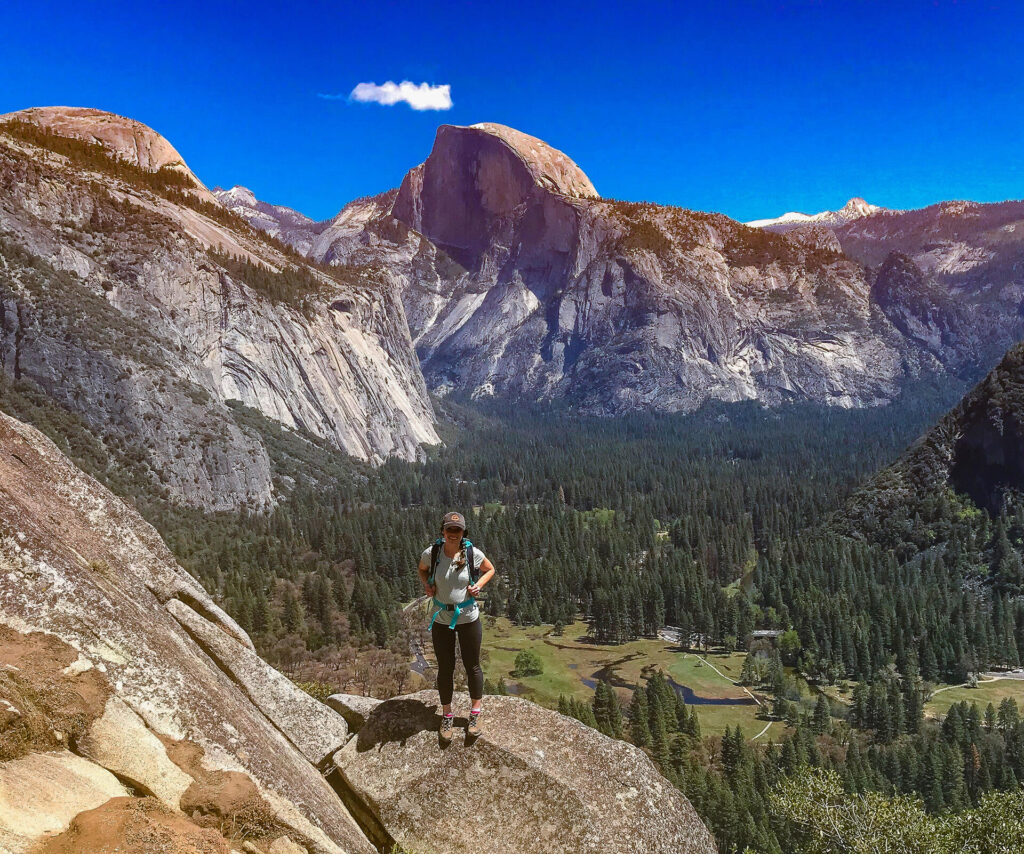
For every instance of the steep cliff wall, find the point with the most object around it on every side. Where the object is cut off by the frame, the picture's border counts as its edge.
(612, 305)
(144, 309)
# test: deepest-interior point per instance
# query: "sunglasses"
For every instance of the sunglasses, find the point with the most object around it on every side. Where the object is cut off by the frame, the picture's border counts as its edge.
(452, 530)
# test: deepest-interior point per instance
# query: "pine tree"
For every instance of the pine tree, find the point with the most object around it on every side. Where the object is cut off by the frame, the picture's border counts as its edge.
(602, 707)
(614, 714)
(990, 718)
(747, 672)
(639, 729)
(822, 715)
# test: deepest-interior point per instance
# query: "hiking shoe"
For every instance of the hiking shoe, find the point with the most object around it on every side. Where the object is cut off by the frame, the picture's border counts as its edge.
(474, 724)
(446, 727)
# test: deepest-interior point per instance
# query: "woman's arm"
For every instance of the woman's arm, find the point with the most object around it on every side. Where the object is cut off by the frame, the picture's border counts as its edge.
(487, 573)
(424, 571)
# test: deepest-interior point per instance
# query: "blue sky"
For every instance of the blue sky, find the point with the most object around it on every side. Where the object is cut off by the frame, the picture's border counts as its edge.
(747, 108)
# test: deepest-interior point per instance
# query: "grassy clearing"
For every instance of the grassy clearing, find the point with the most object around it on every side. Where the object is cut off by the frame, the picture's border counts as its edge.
(987, 692)
(570, 659)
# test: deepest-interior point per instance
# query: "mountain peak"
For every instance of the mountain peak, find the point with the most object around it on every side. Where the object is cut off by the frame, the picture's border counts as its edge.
(126, 139)
(478, 179)
(237, 194)
(858, 207)
(855, 208)
(552, 169)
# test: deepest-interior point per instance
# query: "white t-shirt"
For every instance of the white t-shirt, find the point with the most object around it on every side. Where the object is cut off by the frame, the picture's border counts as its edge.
(452, 582)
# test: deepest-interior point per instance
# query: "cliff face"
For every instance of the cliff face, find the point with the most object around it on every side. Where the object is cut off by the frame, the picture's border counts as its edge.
(983, 438)
(924, 313)
(611, 305)
(132, 708)
(143, 309)
(557, 295)
(967, 256)
(145, 647)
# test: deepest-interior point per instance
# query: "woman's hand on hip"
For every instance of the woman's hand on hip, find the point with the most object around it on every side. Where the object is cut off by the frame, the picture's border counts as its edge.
(430, 589)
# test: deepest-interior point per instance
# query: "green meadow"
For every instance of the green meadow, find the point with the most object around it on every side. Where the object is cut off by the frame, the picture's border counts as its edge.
(571, 658)
(988, 691)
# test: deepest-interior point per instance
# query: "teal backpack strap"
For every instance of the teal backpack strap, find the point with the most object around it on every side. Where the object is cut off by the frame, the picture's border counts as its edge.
(456, 610)
(440, 608)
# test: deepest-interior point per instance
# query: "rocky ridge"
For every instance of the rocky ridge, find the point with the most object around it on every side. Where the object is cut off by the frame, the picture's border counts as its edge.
(144, 311)
(976, 450)
(126, 139)
(135, 717)
(516, 279)
(506, 792)
(964, 259)
(286, 224)
(612, 306)
(557, 295)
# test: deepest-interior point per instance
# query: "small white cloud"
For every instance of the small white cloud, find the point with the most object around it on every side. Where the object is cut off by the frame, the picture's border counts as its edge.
(421, 97)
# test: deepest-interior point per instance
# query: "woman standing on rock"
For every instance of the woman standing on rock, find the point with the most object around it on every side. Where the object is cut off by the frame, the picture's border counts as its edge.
(453, 572)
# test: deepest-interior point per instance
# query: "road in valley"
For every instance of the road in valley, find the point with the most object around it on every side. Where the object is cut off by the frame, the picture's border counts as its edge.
(420, 664)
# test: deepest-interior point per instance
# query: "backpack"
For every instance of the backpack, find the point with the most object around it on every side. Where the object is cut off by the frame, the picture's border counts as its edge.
(435, 552)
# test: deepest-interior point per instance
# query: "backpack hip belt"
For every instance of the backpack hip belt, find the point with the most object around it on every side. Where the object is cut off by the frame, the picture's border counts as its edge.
(458, 608)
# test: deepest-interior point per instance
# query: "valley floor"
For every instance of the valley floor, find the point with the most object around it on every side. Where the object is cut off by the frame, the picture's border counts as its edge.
(573, 664)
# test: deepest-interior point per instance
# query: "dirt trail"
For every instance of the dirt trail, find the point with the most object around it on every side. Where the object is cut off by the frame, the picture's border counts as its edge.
(731, 681)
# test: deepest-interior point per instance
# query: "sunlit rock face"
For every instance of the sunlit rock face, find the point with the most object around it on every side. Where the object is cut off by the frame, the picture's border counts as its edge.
(612, 306)
(110, 650)
(541, 782)
(117, 302)
(517, 279)
(126, 139)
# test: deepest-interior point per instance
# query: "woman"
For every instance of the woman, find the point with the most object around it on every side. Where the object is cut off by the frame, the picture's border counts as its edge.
(454, 587)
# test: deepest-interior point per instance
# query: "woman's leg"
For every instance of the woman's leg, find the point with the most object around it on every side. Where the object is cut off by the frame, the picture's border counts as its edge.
(470, 638)
(444, 652)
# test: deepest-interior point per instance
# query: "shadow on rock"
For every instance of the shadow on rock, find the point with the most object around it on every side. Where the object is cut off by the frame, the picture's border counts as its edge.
(396, 721)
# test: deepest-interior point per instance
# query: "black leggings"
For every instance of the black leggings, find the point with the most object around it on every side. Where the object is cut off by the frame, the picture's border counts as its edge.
(470, 637)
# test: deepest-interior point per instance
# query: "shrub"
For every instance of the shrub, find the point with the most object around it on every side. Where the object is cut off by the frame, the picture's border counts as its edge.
(528, 663)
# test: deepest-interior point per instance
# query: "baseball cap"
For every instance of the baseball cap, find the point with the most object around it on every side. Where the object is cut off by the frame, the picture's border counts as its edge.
(454, 519)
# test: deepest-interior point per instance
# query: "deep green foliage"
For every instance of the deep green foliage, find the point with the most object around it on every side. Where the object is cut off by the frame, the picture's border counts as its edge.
(528, 663)
(607, 714)
(574, 708)
(291, 285)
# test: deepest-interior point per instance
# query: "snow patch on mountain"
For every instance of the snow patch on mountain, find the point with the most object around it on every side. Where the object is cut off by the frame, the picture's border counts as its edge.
(853, 209)
(284, 223)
